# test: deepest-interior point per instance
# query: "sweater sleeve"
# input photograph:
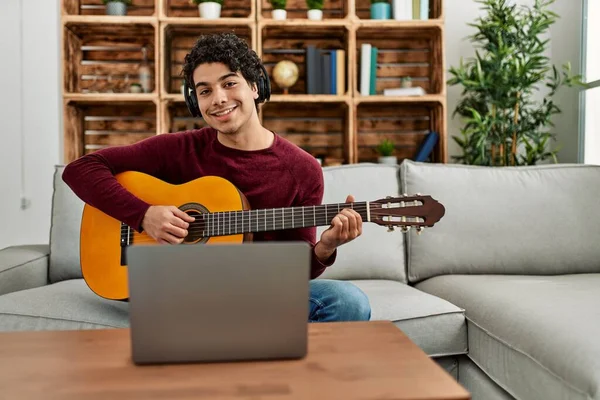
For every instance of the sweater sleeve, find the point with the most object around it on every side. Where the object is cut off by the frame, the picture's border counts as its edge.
(311, 187)
(92, 177)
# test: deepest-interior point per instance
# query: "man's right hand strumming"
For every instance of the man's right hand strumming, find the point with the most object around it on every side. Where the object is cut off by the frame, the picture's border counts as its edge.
(166, 224)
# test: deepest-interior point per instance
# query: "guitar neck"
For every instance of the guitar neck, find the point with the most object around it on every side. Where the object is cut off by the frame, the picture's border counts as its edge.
(262, 220)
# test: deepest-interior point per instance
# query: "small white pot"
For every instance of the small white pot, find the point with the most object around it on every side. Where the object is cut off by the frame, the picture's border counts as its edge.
(209, 10)
(315, 15)
(116, 8)
(391, 160)
(279, 14)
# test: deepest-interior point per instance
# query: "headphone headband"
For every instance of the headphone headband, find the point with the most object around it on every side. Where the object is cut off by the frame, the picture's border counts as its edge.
(263, 85)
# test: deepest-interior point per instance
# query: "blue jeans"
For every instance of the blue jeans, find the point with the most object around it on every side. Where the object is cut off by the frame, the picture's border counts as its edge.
(332, 300)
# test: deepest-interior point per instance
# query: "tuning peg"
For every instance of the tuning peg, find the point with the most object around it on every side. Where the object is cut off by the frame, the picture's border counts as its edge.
(405, 228)
(420, 230)
(390, 228)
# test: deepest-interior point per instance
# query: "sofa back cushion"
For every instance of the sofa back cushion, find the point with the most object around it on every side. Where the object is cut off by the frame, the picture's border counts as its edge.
(377, 253)
(67, 209)
(539, 220)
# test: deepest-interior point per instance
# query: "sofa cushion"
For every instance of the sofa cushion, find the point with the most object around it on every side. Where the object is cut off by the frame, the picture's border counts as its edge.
(539, 220)
(377, 253)
(536, 336)
(435, 325)
(67, 210)
(64, 305)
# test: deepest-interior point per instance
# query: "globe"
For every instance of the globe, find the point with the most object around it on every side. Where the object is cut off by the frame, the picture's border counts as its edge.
(285, 74)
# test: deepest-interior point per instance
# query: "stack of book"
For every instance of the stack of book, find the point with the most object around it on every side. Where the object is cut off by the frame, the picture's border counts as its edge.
(410, 9)
(325, 71)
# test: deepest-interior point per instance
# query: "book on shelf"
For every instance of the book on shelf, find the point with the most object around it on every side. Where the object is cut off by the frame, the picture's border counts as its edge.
(409, 91)
(325, 71)
(403, 10)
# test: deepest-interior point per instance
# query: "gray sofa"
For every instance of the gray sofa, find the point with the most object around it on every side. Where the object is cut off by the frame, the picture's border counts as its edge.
(504, 292)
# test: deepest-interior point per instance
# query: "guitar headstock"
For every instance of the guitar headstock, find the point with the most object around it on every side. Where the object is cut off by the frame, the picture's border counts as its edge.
(406, 211)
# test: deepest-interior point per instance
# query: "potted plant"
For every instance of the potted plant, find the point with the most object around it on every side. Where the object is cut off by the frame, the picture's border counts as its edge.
(116, 7)
(504, 125)
(209, 9)
(385, 149)
(381, 9)
(278, 12)
(315, 9)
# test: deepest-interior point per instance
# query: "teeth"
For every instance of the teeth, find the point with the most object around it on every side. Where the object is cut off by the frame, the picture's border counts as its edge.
(224, 112)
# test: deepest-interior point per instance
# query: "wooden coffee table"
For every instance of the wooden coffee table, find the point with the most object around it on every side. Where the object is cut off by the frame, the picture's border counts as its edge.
(350, 360)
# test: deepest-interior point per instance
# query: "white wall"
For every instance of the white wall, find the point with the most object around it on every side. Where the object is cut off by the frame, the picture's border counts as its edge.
(30, 104)
(30, 115)
(565, 46)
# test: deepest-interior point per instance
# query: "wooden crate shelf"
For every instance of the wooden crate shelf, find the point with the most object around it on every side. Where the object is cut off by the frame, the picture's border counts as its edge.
(321, 129)
(179, 39)
(97, 7)
(186, 10)
(277, 43)
(363, 10)
(297, 9)
(93, 125)
(175, 117)
(105, 58)
(403, 52)
(405, 124)
(343, 127)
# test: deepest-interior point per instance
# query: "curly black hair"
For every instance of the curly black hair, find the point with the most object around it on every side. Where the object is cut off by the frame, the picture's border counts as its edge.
(226, 48)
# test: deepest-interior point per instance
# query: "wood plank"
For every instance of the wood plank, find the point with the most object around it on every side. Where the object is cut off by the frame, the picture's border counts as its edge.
(394, 56)
(301, 125)
(390, 83)
(119, 124)
(304, 110)
(402, 70)
(369, 154)
(392, 124)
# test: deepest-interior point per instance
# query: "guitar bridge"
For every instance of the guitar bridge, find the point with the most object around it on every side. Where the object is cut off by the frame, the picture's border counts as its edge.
(126, 240)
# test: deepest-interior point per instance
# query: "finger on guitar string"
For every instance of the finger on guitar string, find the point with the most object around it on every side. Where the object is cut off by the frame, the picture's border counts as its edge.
(175, 230)
(184, 216)
(169, 239)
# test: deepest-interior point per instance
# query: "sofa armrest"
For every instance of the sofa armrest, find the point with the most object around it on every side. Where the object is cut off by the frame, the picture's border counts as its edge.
(23, 267)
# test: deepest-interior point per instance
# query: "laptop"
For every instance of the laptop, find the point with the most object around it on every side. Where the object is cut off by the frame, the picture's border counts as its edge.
(218, 302)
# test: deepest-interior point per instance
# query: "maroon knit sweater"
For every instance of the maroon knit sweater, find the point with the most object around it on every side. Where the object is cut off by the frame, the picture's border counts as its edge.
(282, 175)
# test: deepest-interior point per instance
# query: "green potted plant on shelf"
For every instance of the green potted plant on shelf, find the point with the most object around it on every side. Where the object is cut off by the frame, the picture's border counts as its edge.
(504, 125)
(209, 9)
(381, 9)
(116, 7)
(385, 149)
(279, 12)
(315, 9)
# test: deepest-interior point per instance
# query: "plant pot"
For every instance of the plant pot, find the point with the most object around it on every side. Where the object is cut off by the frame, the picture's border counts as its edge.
(315, 15)
(116, 8)
(279, 14)
(390, 160)
(210, 10)
(381, 11)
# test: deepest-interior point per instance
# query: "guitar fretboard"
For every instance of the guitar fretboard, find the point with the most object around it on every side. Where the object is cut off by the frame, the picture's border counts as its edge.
(262, 220)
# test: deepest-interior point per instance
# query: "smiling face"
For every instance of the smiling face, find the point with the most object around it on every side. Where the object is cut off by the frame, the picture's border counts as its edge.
(225, 98)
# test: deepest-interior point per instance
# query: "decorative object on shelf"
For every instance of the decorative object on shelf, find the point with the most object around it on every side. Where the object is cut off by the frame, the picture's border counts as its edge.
(209, 9)
(135, 88)
(315, 9)
(116, 7)
(504, 125)
(406, 82)
(145, 73)
(285, 74)
(381, 9)
(279, 13)
(385, 149)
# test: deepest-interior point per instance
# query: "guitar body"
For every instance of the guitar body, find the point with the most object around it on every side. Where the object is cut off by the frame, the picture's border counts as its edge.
(103, 267)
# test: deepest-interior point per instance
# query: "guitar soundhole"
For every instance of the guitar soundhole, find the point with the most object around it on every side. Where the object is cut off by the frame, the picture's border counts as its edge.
(196, 228)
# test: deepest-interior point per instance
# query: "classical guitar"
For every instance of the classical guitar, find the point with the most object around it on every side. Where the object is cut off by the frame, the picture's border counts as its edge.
(222, 214)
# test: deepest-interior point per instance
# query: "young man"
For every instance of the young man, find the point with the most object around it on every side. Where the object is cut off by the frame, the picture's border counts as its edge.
(269, 170)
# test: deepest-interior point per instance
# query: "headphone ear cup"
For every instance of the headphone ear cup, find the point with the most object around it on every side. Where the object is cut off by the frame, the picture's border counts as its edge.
(264, 86)
(190, 100)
